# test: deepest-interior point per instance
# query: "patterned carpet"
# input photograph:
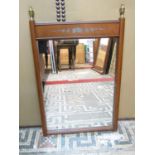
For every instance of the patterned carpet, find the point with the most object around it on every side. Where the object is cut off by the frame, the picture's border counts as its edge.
(121, 142)
(79, 105)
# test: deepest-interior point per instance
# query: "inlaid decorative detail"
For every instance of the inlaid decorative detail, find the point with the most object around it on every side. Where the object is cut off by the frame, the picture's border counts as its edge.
(80, 30)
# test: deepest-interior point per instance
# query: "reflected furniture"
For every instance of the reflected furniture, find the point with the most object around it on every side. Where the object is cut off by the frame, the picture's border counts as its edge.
(71, 46)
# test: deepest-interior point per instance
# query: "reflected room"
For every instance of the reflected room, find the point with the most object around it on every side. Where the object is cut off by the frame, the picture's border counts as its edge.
(78, 81)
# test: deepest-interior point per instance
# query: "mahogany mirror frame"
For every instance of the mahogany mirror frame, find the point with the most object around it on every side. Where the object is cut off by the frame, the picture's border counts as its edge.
(69, 30)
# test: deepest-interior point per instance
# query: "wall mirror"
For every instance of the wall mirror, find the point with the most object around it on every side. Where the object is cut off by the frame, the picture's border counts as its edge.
(78, 74)
(104, 48)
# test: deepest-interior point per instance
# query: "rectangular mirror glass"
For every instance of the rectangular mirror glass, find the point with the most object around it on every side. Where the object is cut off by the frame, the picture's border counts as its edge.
(78, 80)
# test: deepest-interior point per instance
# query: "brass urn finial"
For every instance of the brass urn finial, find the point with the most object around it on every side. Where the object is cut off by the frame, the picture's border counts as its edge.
(31, 13)
(122, 11)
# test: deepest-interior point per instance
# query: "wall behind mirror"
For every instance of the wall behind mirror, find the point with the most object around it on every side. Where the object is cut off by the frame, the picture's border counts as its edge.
(77, 91)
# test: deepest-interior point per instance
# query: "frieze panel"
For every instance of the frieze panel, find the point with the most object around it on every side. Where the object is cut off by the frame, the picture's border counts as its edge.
(77, 30)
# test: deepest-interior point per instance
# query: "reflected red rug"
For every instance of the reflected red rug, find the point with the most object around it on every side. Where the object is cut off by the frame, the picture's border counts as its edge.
(78, 81)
